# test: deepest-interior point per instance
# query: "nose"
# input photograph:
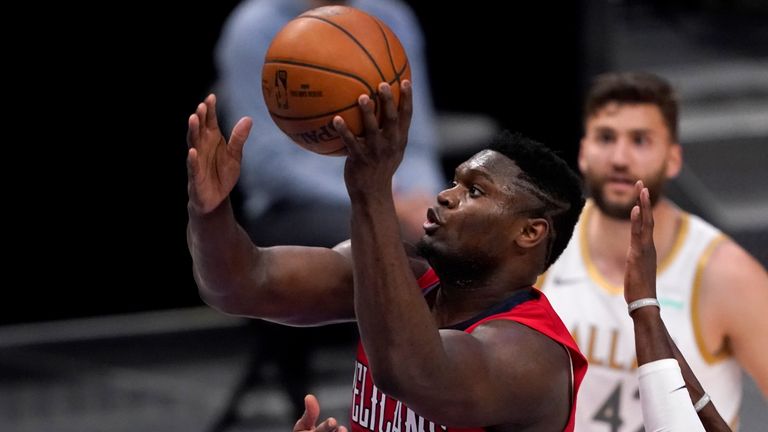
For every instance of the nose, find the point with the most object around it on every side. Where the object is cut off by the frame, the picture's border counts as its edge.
(620, 155)
(446, 198)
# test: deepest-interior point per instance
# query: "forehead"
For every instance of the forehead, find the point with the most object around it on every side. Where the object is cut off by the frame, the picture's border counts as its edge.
(628, 116)
(492, 164)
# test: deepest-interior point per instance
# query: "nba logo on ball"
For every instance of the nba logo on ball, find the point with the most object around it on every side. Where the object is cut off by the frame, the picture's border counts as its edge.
(319, 64)
(281, 89)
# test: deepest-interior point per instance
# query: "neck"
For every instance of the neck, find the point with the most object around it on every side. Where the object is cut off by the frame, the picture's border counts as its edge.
(608, 238)
(461, 298)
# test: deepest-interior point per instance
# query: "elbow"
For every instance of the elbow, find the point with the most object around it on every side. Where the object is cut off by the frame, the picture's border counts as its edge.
(223, 304)
(388, 382)
(397, 382)
(221, 300)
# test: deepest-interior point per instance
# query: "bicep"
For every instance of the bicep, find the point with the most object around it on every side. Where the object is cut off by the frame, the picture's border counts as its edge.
(303, 286)
(503, 372)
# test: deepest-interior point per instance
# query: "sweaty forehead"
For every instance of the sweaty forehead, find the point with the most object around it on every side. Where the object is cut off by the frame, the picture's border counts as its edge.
(500, 168)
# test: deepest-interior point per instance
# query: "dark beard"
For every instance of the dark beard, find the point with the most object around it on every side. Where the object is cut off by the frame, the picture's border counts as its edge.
(620, 211)
(461, 269)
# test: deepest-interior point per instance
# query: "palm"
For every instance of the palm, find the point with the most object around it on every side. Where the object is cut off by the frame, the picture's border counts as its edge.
(213, 163)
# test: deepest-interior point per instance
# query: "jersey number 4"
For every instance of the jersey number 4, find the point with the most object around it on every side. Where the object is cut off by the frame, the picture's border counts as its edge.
(610, 411)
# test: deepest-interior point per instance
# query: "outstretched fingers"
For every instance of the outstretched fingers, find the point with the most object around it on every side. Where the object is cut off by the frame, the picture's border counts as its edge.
(193, 138)
(647, 216)
(239, 135)
(211, 121)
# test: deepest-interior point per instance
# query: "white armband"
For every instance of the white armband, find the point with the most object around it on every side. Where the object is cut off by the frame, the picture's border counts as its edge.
(664, 398)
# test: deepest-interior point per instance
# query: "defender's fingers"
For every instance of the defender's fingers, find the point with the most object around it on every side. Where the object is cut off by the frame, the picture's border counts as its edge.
(636, 223)
(647, 213)
(406, 106)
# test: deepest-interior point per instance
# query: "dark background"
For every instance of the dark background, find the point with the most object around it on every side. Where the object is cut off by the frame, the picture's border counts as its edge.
(103, 117)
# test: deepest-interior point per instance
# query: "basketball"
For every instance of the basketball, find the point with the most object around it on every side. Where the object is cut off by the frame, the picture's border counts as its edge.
(319, 64)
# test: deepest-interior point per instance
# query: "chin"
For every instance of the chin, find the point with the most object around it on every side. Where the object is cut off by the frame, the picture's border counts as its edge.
(615, 210)
(425, 247)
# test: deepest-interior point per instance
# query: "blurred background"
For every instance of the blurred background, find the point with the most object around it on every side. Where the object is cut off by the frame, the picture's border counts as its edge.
(101, 326)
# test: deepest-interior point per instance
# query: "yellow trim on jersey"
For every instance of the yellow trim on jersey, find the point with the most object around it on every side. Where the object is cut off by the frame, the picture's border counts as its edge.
(722, 353)
(539, 284)
(734, 424)
(682, 233)
(594, 273)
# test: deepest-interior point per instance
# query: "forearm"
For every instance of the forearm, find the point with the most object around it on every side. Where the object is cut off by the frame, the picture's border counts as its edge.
(709, 416)
(653, 342)
(222, 256)
(396, 327)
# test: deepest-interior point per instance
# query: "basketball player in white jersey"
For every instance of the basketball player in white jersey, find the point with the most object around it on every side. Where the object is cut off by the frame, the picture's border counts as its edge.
(714, 295)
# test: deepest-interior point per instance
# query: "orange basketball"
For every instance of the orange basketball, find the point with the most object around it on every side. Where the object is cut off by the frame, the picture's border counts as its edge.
(319, 64)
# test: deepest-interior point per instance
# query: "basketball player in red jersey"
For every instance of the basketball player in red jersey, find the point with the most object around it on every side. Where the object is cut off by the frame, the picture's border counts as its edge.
(453, 339)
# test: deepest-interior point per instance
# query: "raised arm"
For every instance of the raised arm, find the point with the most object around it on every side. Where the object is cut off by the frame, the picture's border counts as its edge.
(283, 284)
(664, 373)
(448, 376)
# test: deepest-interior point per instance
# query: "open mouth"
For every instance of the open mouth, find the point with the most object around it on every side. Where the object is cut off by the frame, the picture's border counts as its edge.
(433, 221)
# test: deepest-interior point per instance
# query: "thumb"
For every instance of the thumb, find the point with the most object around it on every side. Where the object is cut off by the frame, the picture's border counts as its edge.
(311, 413)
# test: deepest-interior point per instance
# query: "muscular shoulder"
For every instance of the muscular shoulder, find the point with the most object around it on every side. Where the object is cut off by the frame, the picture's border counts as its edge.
(532, 359)
(733, 283)
(731, 270)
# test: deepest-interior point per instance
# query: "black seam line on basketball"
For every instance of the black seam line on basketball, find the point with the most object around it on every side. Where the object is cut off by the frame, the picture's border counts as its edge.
(354, 39)
(402, 71)
(314, 116)
(323, 68)
(389, 51)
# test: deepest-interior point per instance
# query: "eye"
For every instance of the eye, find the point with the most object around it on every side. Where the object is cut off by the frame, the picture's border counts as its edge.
(605, 137)
(475, 192)
(640, 139)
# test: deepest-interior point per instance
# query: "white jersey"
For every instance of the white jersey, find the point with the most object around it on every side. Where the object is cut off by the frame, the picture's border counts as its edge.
(596, 314)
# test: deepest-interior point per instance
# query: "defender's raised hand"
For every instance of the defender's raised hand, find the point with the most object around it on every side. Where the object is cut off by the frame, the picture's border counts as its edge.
(640, 274)
(213, 164)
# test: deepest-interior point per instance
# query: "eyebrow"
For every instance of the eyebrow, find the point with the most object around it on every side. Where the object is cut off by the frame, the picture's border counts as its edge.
(474, 172)
(633, 131)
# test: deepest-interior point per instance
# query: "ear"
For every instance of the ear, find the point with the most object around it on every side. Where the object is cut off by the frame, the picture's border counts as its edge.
(532, 233)
(674, 160)
(582, 160)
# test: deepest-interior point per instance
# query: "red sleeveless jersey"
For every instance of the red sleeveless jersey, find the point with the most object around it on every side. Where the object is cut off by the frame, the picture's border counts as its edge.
(374, 411)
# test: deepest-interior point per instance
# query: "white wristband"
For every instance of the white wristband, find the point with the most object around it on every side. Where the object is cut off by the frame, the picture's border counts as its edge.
(643, 302)
(698, 406)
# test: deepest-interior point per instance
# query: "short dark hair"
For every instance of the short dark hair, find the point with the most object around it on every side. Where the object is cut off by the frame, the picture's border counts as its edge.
(634, 87)
(553, 181)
